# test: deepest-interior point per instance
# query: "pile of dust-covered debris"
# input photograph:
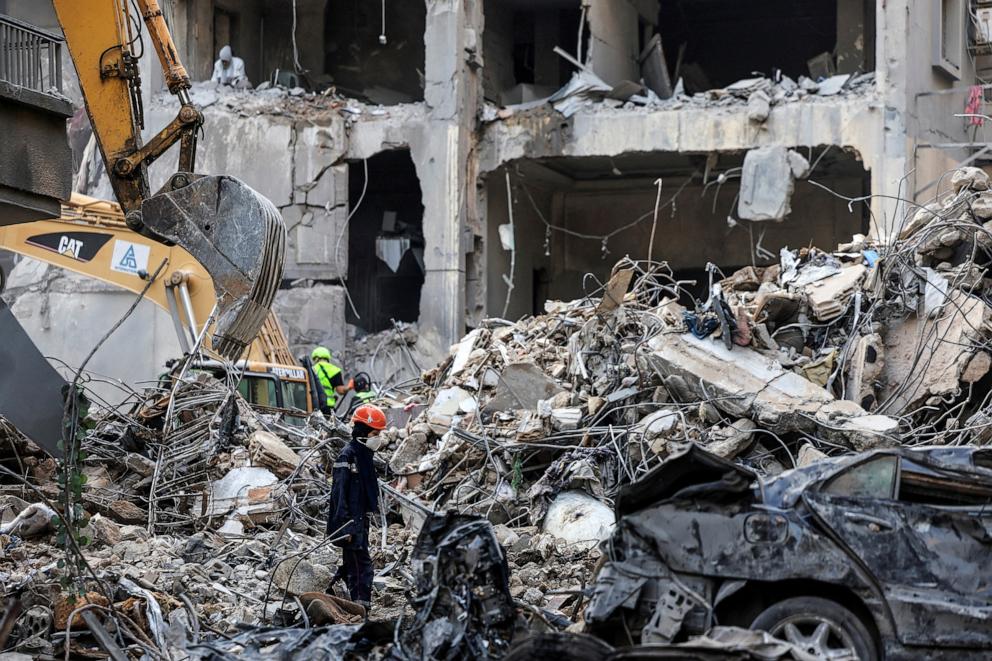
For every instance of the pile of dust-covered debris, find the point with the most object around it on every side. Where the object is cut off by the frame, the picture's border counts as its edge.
(758, 96)
(205, 522)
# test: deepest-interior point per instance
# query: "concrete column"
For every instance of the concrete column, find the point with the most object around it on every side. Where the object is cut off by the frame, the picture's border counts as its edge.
(613, 40)
(453, 89)
(889, 180)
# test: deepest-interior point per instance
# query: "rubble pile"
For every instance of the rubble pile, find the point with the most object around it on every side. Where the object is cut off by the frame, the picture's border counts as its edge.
(759, 95)
(900, 331)
(295, 102)
(527, 424)
(205, 516)
(536, 425)
(394, 358)
(505, 466)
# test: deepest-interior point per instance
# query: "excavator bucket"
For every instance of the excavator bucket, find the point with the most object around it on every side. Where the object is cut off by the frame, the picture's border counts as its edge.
(239, 237)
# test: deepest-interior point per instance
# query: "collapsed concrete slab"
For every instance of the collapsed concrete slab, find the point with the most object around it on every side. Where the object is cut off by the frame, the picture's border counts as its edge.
(746, 384)
(522, 386)
(927, 358)
(766, 184)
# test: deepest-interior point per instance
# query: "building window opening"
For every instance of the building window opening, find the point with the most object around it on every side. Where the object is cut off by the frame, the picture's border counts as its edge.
(519, 43)
(568, 211)
(374, 57)
(385, 241)
(713, 43)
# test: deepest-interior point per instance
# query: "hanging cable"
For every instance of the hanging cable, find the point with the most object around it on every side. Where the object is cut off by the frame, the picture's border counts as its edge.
(382, 31)
(347, 222)
(296, 52)
(513, 249)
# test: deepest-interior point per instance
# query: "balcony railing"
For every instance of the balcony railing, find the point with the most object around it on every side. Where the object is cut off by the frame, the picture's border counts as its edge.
(30, 57)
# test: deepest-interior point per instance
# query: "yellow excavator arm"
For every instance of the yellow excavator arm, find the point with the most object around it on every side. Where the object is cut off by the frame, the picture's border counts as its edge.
(92, 239)
(236, 234)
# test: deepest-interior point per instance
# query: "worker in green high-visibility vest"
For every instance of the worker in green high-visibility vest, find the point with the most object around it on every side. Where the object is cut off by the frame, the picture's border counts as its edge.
(330, 377)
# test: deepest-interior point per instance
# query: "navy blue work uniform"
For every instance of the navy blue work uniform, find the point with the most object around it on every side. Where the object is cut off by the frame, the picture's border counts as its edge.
(354, 496)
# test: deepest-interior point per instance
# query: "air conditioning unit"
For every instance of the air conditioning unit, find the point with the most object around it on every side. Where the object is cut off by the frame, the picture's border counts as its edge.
(983, 26)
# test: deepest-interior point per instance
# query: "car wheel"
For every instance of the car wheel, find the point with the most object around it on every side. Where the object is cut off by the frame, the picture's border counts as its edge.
(573, 646)
(819, 628)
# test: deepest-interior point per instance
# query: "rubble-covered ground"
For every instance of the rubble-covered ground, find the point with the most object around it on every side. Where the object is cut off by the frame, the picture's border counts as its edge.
(202, 528)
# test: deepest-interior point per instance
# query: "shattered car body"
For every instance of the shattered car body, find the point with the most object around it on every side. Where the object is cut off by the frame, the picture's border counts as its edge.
(463, 603)
(879, 553)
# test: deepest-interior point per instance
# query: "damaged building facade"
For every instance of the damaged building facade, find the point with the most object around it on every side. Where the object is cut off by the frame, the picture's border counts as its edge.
(793, 460)
(449, 161)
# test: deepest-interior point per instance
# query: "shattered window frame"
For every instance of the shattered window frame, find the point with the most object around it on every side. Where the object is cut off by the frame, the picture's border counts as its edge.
(294, 395)
(829, 486)
(249, 378)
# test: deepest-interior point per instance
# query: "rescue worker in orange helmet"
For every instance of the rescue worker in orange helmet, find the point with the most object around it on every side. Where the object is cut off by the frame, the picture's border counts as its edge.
(354, 497)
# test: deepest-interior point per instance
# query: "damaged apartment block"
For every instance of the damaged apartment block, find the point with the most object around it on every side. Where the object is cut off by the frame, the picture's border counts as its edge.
(678, 312)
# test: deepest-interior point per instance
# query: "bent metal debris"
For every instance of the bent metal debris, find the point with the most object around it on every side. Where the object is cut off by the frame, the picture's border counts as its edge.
(584, 479)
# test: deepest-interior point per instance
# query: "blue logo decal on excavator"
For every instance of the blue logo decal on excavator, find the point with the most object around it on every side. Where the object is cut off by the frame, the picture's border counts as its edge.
(130, 257)
(128, 261)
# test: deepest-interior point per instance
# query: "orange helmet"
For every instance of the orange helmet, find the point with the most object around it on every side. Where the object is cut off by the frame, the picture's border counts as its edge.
(373, 416)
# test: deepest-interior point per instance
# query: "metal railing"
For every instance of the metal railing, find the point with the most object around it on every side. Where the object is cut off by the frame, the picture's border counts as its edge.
(30, 57)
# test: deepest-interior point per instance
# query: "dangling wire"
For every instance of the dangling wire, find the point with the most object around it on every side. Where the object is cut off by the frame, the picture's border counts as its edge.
(382, 32)
(292, 34)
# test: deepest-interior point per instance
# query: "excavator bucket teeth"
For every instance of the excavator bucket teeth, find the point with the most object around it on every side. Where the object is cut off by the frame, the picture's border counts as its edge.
(239, 237)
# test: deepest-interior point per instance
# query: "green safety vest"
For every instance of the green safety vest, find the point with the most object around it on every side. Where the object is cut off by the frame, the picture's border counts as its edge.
(365, 396)
(325, 372)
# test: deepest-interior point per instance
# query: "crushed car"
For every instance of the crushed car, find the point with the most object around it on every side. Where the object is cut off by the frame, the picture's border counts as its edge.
(462, 595)
(882, 554)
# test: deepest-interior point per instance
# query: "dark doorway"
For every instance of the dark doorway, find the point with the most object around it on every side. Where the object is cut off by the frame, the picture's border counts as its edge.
(227, 31)
(385, 241)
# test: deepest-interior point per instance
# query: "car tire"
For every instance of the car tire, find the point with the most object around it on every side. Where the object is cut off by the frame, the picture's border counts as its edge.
(817, 626)
(572, 646)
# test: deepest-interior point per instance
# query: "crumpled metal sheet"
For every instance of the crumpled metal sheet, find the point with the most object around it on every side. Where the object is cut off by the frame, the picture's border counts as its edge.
(287, 643)
(30, 388)
(463, 602)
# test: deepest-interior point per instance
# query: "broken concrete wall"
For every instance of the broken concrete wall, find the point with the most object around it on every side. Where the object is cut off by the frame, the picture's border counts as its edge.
(852, 123)
(66, 315)
(290, 162)
(312, 316)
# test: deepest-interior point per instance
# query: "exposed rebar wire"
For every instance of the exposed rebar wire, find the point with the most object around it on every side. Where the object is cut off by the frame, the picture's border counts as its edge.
(513, 248)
